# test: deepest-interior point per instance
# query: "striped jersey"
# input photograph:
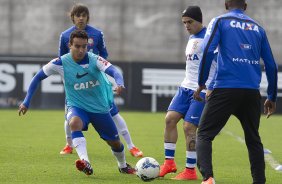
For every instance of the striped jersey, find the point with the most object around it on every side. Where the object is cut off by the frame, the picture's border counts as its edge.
(194, 55)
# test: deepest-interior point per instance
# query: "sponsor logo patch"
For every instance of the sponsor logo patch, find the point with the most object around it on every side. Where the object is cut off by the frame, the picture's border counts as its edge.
(81, 75)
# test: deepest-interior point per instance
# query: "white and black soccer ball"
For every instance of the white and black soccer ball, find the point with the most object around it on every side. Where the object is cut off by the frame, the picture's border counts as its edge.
(147, 169)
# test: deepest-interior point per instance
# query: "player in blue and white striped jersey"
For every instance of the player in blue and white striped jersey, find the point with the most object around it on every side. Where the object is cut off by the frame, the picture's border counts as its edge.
(183, 106)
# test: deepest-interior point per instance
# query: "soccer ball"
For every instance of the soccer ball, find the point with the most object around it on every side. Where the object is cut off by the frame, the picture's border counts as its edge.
(147, 169)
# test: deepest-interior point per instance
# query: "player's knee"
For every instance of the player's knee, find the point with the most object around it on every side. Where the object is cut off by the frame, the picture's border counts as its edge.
(75, 124)
(170, 122)
(189, 128)
(171, 119)
(115, 144)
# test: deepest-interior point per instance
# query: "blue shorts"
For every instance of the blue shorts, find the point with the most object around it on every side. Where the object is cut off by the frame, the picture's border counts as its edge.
(103, 123)
(114, 110)
(184, 103)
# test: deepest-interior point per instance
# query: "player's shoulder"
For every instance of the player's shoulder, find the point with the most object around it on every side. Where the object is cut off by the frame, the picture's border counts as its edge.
(219, 18)
(93, 30)
(56, 61)
(92, 56)
(200, 34)
(103, 61)
(68, 31)
(241, 16)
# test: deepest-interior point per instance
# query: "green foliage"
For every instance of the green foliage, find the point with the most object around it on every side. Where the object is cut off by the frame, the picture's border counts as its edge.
(30, 147)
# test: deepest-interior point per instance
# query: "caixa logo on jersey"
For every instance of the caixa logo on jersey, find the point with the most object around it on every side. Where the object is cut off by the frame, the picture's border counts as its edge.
(193, 57)
(244, 26)
(86, 85)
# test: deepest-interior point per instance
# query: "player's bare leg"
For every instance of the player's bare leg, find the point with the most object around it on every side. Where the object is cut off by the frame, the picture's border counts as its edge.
(189, 172)
(170, 139)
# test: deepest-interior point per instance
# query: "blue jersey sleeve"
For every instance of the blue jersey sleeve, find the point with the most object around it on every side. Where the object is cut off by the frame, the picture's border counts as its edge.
(62, 47)
(210, 44)
(102, 47)
(211, 85)
(113, 72)
(33, 85)
(270, 69)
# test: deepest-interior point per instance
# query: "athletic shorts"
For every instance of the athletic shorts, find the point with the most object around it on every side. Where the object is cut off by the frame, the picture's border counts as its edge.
(184, 104)
(114, 110)
(103, 123)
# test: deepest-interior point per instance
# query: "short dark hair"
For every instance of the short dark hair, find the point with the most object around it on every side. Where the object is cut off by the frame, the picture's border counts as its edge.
(236, 3)
(78, 34)
(78, 9)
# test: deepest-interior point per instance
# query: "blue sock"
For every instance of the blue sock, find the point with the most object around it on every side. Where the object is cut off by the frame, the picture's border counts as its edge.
(76, 134)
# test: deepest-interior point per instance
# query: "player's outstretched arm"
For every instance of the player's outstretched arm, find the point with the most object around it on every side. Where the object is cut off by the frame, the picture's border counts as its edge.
(113, 72)
(31, 89)
(105, 66)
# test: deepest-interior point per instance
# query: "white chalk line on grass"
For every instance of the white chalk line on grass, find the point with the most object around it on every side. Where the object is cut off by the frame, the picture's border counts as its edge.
(267, 153)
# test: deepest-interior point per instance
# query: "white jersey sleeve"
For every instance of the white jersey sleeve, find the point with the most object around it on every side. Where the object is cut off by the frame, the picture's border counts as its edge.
(54, 67)
(102, 64)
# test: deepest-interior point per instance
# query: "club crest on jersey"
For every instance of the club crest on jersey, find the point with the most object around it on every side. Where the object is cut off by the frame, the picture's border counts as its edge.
(193, 57)
(195, 45)
(90, 41)
(244, 26)
(86, 85)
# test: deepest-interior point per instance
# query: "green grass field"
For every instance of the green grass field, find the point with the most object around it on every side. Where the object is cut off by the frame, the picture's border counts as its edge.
(30, 148)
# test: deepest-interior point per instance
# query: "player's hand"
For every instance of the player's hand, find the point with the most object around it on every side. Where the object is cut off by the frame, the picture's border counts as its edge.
(119, 89)
(196, 94)
(208, 94)
(22, 109)
(269, 107)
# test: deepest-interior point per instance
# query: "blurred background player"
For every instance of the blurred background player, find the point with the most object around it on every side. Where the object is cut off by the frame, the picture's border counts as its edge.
(183, 105)
(96, 44)
(89, 97)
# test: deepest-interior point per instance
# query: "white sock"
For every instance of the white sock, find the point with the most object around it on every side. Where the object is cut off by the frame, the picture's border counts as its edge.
(123, 130)
(80, 146)
(68, 134)
(120, 156)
